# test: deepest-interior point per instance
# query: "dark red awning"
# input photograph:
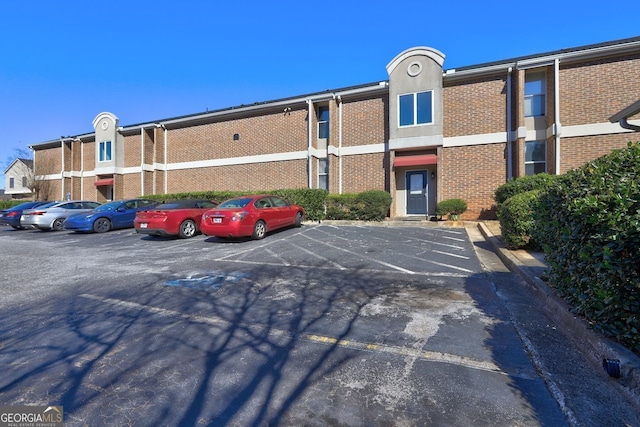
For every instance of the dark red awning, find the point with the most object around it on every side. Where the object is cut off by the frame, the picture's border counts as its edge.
(418, 160)
(101, 182)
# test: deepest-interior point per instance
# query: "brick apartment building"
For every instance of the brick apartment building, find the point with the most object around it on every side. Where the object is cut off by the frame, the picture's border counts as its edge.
(426, 134)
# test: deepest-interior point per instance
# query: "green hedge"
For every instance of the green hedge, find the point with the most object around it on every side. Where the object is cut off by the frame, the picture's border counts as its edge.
(6, 204)
(367, 206)
(452, 207)
(517, 220)
(589, 227)
(522, 184)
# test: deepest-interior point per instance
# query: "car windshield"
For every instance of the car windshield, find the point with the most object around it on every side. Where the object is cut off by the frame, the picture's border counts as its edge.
(235, 203)
(108, 206)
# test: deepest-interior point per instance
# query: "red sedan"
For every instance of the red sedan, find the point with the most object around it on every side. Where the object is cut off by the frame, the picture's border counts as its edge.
(178, 218)
(251, 216)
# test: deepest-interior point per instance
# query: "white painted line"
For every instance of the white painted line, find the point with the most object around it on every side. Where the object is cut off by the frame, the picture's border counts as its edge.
(453, 238)
(362, 256)
(275, 255)
(450, 254)
(319, 257)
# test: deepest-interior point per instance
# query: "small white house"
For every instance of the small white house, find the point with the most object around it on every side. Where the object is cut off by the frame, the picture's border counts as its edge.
(18, 178)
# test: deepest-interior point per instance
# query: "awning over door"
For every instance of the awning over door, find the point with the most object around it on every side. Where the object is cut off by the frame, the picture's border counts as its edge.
(418, 160)
(102, 182)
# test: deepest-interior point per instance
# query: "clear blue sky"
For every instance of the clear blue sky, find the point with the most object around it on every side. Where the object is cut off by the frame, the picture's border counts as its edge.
(62, 63)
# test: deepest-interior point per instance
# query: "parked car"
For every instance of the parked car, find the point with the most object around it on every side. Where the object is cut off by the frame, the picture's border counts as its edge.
(110, 216)
(177, 218)
(52, 217)
(251, 216)
(11, 216)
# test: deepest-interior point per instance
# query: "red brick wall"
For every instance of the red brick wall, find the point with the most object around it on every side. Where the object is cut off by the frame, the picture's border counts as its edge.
(575, 152)
(592, 92)
(473, 107)
(132, 155)
(363, 122)
(249, 177)
(472, 173)
(267, 134)
(363, 172)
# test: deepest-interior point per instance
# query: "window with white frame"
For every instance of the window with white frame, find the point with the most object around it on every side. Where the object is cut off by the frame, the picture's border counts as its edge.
(105, 151)
(24, 182)
(11, 183)
(535, 157)
(323, 122)
(534, 93)
(415, 109)
(323, 174)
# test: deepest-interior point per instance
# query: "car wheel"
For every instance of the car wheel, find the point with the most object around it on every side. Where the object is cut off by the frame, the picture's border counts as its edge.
(259, 230)
(187, 229)
(101, 225)
(299, 219)
(57, 224)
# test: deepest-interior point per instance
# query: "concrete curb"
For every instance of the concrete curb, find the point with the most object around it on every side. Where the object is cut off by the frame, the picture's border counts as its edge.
(594, 345)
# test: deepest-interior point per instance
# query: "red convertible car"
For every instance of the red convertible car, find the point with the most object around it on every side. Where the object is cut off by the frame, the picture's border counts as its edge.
(251, 216)
(177, 218)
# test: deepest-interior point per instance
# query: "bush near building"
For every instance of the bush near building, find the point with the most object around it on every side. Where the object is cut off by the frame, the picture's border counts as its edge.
(588, 222)
(367, 206)
(451, 207)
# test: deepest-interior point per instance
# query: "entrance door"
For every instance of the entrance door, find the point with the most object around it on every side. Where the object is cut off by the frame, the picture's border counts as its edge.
(416, 193)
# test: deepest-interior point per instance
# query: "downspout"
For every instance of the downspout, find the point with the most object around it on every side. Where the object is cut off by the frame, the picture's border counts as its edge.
(339, 144)
(142, 161)
(309, 136)
(81, 169)
(558, 127)
(509, 135)
(62, 170)
(166, 171)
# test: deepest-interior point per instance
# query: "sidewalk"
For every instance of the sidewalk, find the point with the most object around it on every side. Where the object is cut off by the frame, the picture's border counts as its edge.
(531, 267)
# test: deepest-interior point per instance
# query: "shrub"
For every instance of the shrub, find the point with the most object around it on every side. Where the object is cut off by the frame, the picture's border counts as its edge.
(451, 207)
(6, 204)
(517, 220)
(367, 206)
(522, 184)
(589, 227)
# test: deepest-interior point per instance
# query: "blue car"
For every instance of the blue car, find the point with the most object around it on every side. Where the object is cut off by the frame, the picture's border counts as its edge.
(110, 216)
(12, 215)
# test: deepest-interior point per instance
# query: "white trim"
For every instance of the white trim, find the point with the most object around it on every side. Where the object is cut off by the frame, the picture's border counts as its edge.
(416, 142)
(265, 158)
(363, 149)
(595, 129)
(481, 139)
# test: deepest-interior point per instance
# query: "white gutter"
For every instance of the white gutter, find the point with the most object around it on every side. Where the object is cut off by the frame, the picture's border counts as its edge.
(509, 135)
(166, 172)
(339, 144)
(142, 161)
(309, 147)
(62, 169)
(557, 125)
(81, 168)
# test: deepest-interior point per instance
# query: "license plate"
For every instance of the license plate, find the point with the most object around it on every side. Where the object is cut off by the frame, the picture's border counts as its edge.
(217, 220)
(143, 225)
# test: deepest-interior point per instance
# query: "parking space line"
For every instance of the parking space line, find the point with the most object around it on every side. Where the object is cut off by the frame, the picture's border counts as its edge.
(450, 254)
(338, 266)
(430, 356)
(360, 255)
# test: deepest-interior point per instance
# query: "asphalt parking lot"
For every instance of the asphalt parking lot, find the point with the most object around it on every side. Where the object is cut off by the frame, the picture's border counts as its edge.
(322, 325)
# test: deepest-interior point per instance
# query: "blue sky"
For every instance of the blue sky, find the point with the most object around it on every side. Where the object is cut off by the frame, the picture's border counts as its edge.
(62, 63)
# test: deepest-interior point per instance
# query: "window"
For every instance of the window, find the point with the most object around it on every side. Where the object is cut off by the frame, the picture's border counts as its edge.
(534, 94)
(535, 157)
(11, 184)
(323, 174)
(24, 182)
(323, 122)
(415, 109)
(105, 151)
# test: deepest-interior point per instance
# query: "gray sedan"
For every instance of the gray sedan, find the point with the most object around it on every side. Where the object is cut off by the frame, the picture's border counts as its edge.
(52, 217)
